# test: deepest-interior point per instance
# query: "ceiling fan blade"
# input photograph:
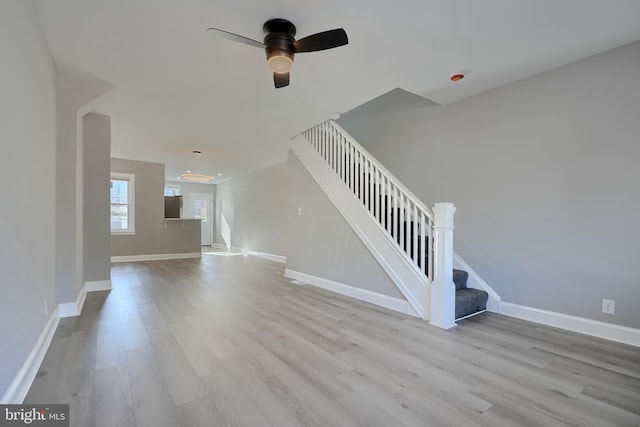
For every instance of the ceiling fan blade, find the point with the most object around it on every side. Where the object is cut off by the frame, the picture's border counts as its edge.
(281, 79)
(237, 38)
(321, 41)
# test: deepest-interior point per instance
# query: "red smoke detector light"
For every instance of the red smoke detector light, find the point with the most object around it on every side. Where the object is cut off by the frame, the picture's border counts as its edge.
(457, 77)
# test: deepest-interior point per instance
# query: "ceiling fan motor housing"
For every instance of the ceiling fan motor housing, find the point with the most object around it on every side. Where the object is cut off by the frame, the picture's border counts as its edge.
(279, 38)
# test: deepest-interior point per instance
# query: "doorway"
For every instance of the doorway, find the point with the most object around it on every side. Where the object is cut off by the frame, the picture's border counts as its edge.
(202, 208)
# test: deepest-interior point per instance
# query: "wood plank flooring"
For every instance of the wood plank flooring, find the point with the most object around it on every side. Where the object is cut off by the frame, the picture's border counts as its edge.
(228, 341)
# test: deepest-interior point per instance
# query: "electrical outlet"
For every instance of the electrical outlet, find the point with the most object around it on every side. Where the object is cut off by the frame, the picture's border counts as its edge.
(46, 308)
(608, 306)
(299, 211)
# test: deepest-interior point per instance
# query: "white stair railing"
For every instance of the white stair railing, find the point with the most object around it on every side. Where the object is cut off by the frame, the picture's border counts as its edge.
(402, 216)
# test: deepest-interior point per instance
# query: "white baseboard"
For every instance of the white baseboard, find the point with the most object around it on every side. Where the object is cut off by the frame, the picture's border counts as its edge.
(70, 309)
(21, 384)
(98, 285)
(155, 257)
(272, 257)
(220, 246)
(386, 301)
(582, 325)
(476, 282)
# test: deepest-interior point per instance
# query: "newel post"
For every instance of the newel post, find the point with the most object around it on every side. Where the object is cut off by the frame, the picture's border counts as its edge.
(443, 291)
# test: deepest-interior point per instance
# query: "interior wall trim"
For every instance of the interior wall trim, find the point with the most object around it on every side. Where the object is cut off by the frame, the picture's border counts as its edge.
(21, 383)
(155, 257)
(609, 331)
(98, 285)
(386, 301)
(271, 257)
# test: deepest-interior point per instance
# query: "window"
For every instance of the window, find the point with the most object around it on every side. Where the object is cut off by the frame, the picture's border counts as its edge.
(171, 190)
(200, 209)
(122, 203)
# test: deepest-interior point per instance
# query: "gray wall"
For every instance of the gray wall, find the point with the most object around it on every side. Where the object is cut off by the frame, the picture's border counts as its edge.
(153, 235)
(27, 169)
(96, 148)
(544, 172)
(322, 243)
(255, 206)
(74, 97)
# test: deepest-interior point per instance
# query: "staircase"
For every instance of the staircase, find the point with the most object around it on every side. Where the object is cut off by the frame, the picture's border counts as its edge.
(407, 238)
(469, 301)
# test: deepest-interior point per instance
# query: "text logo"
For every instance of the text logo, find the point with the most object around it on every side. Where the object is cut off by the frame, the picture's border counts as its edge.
(34, 415)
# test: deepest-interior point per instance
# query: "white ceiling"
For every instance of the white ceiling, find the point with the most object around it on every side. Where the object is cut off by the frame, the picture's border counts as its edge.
(180, 88)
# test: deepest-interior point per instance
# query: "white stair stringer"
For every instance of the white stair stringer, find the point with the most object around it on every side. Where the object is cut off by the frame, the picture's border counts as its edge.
(411, 283)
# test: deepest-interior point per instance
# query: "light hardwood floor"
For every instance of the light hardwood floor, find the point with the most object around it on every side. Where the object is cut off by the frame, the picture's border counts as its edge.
(228, 341)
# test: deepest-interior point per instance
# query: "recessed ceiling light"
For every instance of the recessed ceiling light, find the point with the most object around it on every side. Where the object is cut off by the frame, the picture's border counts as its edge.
(188, 171)
(219, 174)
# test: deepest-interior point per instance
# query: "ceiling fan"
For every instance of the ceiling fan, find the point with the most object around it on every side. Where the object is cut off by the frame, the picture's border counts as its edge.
(281, 46)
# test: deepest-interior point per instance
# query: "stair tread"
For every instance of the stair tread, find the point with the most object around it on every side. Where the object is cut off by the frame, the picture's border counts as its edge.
(470, 292)
(469, 301)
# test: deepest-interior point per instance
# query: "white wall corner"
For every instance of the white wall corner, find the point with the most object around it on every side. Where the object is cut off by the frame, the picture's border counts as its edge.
(21, 383)
(382, 300)
(70, 309)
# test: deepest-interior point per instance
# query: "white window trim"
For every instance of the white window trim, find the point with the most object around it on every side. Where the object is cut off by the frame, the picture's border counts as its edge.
(132, 203)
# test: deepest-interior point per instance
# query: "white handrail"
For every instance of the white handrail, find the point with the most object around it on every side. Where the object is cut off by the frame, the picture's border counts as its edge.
(404, 218)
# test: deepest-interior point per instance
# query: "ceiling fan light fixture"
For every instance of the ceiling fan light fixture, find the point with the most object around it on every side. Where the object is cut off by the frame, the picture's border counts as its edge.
(281, 45)
(196, 177)
(280, 61)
